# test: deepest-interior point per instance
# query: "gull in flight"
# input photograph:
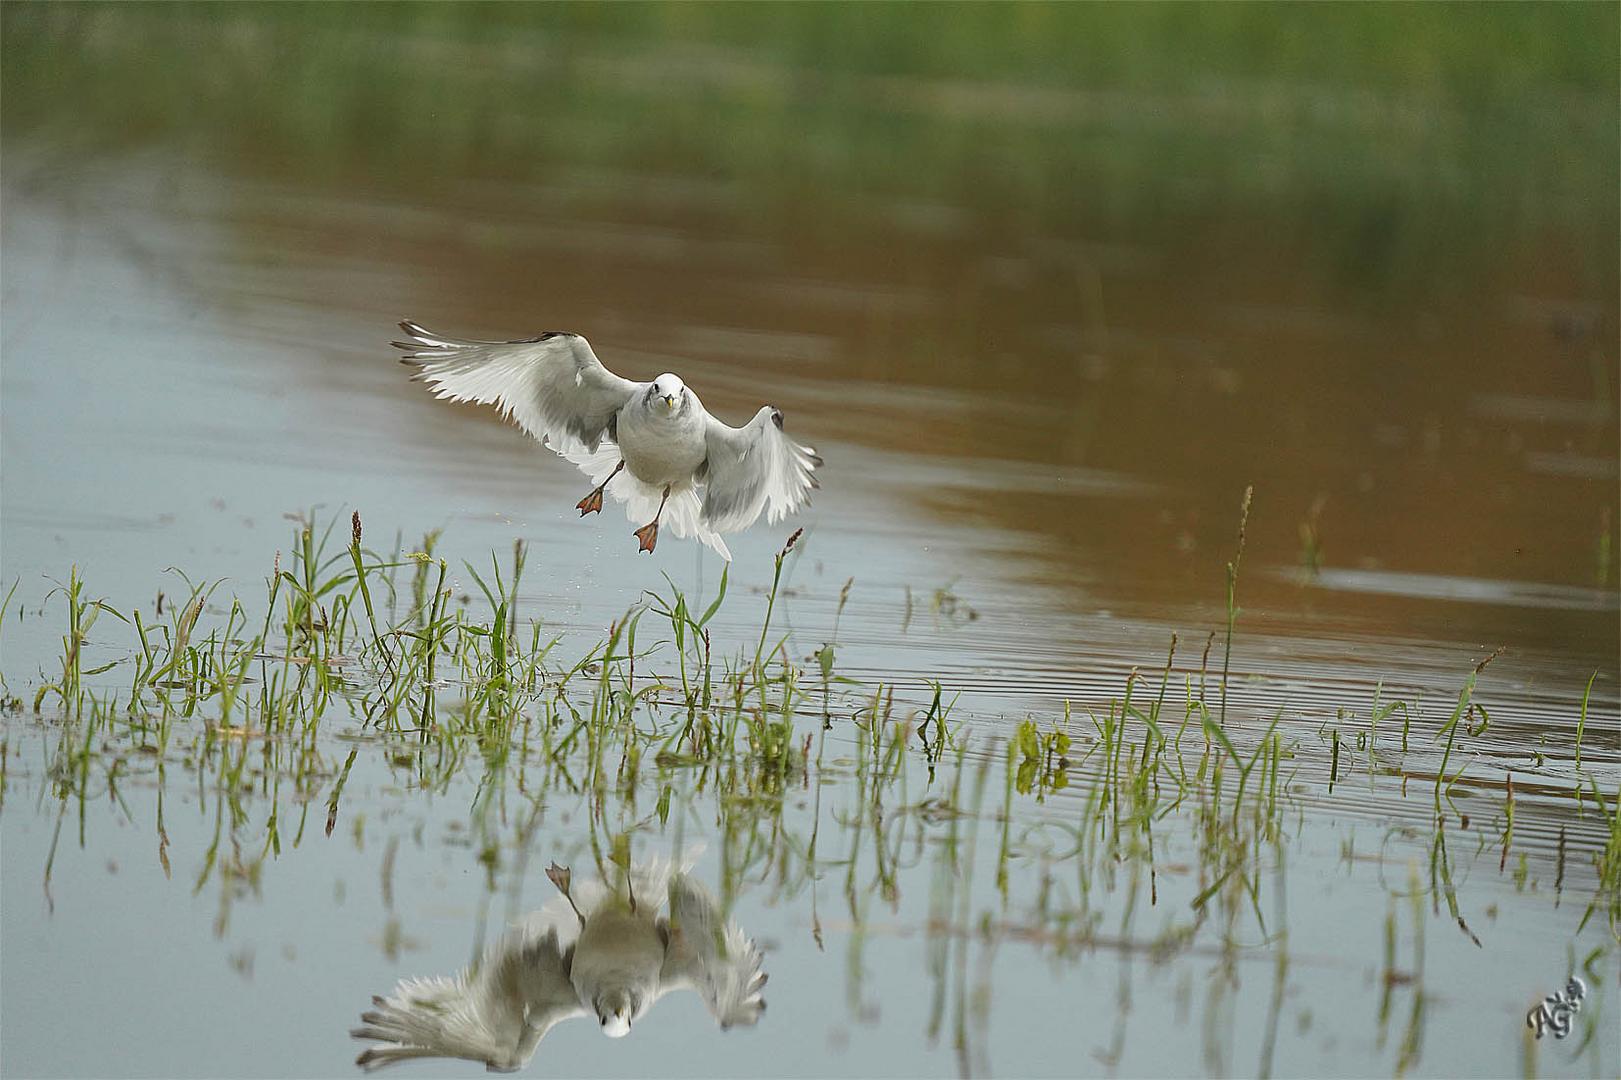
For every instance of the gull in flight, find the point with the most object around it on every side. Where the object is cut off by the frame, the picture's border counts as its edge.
(604, 954)
(682, 466)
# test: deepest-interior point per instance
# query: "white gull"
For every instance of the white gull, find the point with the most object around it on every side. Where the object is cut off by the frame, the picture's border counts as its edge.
(683, 467)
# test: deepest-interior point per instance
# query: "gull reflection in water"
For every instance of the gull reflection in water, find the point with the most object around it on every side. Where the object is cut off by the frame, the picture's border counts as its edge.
(608, 952)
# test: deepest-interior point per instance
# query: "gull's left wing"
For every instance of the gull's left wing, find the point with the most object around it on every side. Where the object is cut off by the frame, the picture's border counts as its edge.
(752, 469)
(496, 1015)
(719, 961)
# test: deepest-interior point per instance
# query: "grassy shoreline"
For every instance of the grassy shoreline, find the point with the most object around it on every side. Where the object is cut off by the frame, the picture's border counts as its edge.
(1161, 116)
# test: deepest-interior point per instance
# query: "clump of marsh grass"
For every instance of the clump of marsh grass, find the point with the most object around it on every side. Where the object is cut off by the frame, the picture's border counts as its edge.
(1581, 722)
(8, 701)
(1604, 549)
(1311, 540)
(1232, 600)
(82, 615)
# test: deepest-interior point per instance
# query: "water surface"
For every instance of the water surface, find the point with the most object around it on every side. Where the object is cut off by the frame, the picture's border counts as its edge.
(1044, 334)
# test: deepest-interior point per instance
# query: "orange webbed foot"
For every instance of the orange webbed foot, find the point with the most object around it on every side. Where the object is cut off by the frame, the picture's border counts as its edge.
(648, 535)
(591, 504)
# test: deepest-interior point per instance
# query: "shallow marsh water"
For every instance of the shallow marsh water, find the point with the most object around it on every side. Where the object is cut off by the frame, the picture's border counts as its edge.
(1041, 397)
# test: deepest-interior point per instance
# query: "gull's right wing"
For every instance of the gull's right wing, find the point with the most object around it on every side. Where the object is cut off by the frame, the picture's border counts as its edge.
(718, 960)
(752, 470)
(497, 1014)
(553, 385)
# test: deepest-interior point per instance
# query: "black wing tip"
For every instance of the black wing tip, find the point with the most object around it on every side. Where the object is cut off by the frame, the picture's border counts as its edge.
(544, 335)
(418, 344)
(423, 338)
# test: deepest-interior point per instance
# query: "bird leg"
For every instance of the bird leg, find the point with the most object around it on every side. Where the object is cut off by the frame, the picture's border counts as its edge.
(559, 876)
(592, 503)
(649, 534)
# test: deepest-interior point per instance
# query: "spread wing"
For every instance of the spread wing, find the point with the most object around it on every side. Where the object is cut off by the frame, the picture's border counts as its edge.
(718, 960)
(496, 1015)
(752, 469)
(553, 385)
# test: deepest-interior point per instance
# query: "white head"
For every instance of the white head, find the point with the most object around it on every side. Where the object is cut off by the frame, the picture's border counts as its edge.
(615, 1010)
(667, 395)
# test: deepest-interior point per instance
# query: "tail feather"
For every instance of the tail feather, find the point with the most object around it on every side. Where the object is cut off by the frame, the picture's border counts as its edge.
(683, 511)
(650, 879)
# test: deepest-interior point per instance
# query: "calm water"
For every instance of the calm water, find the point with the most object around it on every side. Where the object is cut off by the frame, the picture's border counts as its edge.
(1040, 397)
